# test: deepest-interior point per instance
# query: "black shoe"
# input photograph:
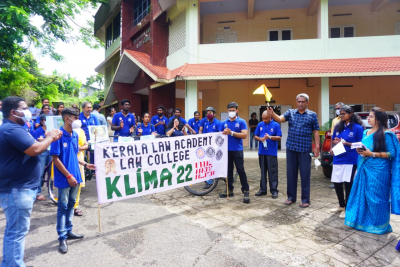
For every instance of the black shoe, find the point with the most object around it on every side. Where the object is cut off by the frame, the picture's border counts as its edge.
(63, 248)
(224, 195)
(246, 198)
(275, 195)
(260, 193)
(72, 235)
(207, 186)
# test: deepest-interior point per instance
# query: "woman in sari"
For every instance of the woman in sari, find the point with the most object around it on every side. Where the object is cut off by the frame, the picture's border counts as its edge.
(376, 188)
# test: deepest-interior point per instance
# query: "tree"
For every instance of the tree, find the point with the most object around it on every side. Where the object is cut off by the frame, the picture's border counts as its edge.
(98, 78)
(18, 33)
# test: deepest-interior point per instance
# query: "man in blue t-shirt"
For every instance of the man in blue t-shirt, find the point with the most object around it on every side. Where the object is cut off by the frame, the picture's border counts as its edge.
(88, 119)
(123, 122)
(19, 176)
(195, 122)
(211, 125)
(177, 113)
(236, 129)
(268, 133)
(159, 121)
(67, 176)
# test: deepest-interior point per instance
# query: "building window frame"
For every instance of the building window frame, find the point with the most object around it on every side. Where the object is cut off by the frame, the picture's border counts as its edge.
(279, 30)
(113, 30)
(141, 9)
(342, 30)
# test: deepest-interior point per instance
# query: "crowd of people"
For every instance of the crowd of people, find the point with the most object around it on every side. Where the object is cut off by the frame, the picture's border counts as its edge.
(366, 180)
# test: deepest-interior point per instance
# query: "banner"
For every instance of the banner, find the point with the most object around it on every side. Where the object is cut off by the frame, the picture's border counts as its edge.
(127, 170)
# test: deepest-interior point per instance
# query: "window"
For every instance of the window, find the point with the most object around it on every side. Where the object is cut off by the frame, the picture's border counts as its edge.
(116, 26)
(141, 9)
(280, 34)
(342, 31)
(113, 31)
(109, 36)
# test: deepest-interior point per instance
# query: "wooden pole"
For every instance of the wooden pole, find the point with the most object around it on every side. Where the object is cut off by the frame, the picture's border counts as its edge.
(99, 220)
(227, 188)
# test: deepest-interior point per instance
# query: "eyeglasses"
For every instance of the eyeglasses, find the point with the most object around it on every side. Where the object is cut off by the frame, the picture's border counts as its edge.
(342, 114)
(337, 108)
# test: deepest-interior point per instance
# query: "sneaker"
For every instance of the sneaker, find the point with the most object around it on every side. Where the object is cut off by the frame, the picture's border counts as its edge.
(336, 210)
(342, 215)
(246, 198)
(224, 195)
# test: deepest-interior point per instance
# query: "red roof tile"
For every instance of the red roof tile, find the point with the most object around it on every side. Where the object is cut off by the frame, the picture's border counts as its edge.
(266, 68)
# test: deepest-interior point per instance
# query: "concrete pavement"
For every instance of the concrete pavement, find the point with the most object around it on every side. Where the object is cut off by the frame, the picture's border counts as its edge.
(176, 228)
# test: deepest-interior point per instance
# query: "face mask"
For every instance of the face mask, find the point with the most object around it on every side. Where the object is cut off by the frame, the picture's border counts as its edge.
(338, 112)
(210, 116)
(76, 124)
(232, 114)
(27, 115)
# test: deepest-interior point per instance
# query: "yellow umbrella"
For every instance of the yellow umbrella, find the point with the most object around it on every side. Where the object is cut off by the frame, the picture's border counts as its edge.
(263, 90)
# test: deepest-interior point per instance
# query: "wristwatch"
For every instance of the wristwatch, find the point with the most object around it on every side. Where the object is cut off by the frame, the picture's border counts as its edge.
(231, 133)
(85, 165)
(373, 155)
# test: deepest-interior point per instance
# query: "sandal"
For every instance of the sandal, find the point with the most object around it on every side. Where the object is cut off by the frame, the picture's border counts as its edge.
(78, 212)
(289, 202)
(304, 205)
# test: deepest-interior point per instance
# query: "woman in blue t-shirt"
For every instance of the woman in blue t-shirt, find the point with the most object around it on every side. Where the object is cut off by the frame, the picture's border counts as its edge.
(145, 128)
(177, 129)
(349, 130)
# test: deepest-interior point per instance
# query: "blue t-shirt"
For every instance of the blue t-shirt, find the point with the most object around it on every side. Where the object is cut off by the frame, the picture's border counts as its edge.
(182, 120)
(352, 134)
(40, 132)
(237, 125)
(18, 170)
(176, 133)
(66, 148)
(159, 128)
(272, 129)
(146, 130)
(129, 121)
(212, 127)
(194, 124)
(86, 122)
(202, 121)
(29, 127)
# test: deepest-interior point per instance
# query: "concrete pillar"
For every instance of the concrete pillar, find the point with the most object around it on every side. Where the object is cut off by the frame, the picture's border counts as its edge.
(190, 99)
(323, 25)
(192, 30)
(324, 104)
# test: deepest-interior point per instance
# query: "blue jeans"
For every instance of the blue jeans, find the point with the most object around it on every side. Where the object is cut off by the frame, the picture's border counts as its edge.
(17, 206)
(44, 161)
(251, 141)
(65, 210)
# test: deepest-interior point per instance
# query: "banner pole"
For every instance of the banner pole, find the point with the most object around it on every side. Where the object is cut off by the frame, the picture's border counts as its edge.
(227, 188)
(99, 220)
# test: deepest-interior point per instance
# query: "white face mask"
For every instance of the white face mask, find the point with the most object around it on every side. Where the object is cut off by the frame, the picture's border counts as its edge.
(76, 124)
(338, 112)
(27, 115)
(232, 114)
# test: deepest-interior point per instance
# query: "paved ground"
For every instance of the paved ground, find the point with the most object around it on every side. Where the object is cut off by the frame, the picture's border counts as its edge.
(179, 229)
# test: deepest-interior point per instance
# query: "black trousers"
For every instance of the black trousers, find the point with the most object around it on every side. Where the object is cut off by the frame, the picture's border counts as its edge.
(269, 164)
(296, 161)
(237, 158)
(347, 187)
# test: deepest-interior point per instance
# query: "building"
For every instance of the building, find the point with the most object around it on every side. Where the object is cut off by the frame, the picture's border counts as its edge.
(87, 91)
(197, 53)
